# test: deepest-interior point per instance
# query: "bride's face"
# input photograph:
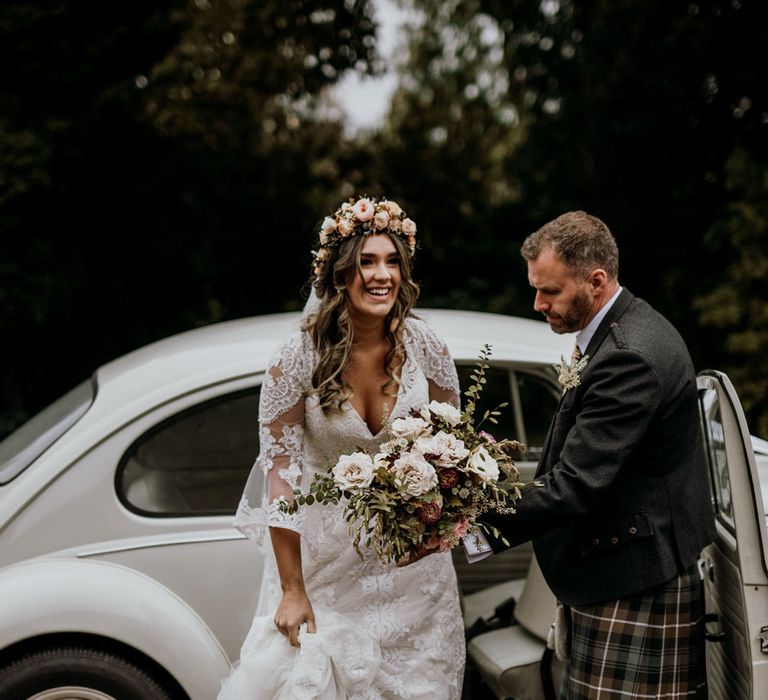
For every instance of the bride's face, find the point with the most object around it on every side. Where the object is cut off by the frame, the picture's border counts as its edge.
(373, 292)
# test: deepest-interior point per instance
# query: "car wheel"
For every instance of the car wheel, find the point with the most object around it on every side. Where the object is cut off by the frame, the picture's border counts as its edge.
(77, 674)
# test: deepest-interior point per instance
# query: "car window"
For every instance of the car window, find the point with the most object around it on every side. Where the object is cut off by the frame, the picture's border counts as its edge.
(539, 399)
(497, 390)
(532, 401)
(194, 463)
(25, 445)
(714, 443)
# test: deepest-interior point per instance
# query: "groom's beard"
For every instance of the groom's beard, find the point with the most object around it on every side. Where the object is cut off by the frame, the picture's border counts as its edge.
(573, 319)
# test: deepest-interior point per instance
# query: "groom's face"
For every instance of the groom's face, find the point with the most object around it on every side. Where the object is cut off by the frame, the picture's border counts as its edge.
(565, 298)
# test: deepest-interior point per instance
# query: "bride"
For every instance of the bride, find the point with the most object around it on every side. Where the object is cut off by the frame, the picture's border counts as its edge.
(330, 624)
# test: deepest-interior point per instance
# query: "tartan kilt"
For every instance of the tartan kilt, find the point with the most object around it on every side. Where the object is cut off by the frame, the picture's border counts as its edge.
(647, 645)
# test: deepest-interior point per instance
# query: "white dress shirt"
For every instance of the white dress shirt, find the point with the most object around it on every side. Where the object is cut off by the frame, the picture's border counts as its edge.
(585, 334)
(476, 546)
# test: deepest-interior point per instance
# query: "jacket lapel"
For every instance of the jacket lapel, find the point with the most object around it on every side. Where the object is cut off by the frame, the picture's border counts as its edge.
(615, 312)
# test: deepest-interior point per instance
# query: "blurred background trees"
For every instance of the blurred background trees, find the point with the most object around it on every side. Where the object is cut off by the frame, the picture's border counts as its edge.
(165, 166)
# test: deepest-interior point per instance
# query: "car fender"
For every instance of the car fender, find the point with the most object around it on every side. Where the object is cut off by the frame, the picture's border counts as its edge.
(56, 595)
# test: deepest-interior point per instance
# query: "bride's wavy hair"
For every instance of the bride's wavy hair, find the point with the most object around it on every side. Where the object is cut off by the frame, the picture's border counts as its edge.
(330, 326)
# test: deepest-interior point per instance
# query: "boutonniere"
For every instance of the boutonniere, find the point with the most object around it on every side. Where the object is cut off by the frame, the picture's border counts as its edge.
(569, 373)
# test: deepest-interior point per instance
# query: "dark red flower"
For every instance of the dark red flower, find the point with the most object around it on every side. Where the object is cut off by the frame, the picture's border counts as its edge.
(448, 478)
(429, 513)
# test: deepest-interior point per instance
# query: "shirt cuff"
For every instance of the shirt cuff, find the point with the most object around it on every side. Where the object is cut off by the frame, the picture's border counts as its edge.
(476, 547)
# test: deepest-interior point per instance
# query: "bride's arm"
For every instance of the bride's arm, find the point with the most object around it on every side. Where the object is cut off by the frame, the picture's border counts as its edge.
(274, 477)
(437, 393)
(284, 434)
(294, 608)
(440, 370)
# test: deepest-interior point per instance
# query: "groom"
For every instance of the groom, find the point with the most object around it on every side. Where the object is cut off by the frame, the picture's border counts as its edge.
(623, 507)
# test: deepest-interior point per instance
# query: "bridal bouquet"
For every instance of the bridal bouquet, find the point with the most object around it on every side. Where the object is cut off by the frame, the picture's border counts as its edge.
(428, 483)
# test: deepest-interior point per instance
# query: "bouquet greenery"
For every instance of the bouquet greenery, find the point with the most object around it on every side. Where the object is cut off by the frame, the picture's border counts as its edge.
(428, 484)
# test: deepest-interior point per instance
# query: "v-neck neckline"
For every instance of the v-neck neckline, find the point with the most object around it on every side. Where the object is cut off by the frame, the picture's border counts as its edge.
(400, 386)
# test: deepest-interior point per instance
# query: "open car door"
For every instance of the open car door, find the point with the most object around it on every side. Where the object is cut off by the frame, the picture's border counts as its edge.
(734, 565)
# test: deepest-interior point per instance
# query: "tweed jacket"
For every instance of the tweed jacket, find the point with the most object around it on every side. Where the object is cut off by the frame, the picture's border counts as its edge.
(624, 498)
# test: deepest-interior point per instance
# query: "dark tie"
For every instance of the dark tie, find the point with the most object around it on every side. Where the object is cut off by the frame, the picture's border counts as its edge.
(576, 355)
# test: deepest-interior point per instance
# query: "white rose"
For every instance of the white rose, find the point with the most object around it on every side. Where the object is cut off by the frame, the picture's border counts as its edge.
(353, 472)
(481, 463)
(394, 445)
(450, 414)
(414, 476)
(363, 209)
(409, 227)
(447, 448)
(410, 428)
(395, 225)
(329, 224)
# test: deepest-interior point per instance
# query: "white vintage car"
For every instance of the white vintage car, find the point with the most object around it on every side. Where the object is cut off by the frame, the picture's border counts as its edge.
(120, 573)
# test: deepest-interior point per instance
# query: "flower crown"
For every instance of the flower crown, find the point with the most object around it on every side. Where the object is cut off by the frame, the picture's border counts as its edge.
(363, 217)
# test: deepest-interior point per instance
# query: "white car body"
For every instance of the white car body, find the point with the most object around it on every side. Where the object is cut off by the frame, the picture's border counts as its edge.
(84, 563)
(179, 592)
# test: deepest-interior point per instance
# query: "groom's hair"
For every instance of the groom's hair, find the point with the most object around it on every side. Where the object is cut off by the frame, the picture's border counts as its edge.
(580, 240)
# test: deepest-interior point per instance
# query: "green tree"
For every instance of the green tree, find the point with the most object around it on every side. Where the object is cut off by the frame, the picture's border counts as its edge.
(636, 107)
(160, 164)
(629, 109)
(735, 312)
(450, 132)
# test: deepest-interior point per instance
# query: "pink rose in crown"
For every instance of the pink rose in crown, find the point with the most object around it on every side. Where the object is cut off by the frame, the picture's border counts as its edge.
(345, 228)
(381, 220)
(409, 227)
(363, 209)
(393, 207)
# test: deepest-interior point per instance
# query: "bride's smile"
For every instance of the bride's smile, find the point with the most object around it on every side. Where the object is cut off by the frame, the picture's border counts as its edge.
(373, 291)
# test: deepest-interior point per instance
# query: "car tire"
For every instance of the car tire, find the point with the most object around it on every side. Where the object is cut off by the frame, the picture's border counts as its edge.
(74, 673)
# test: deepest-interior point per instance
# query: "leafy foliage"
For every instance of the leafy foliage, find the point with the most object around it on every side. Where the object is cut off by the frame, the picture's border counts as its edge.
(735, 311)
(166, 165)
(153, 159)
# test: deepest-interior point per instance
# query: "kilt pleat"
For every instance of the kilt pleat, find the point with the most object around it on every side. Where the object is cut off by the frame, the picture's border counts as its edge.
(647, 645)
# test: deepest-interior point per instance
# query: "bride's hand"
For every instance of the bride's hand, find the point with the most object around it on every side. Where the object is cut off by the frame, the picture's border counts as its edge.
(415, 555)
(293, 611)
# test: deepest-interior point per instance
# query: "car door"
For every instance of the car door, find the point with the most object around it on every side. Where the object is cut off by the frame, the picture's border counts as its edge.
(734, 565)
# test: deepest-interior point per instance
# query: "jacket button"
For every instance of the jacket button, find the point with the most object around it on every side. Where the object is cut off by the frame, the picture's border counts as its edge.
(595, 542)
(614, 540)
(633, 531)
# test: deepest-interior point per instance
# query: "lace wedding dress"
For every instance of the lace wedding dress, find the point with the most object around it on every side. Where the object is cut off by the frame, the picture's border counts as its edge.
(382, 632)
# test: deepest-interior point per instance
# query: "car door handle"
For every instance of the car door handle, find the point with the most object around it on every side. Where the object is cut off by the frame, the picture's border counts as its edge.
(717, 637)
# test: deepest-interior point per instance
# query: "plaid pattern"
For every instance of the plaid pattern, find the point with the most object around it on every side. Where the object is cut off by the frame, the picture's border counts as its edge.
(648, 645)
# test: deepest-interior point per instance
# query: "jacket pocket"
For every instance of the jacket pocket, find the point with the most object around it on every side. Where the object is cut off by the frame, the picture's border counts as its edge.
(616, 531)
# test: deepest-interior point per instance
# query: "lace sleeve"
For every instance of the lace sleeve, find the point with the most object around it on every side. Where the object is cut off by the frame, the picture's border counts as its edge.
(436, 362)
(277, 471)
